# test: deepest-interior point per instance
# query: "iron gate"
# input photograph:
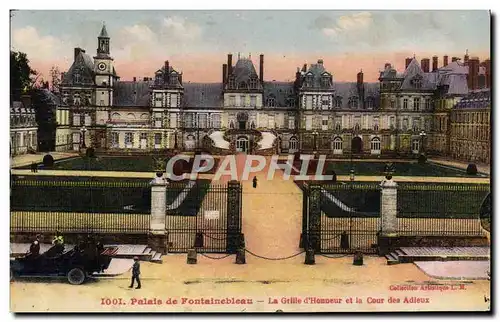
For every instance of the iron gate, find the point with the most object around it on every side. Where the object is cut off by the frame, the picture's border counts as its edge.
(204, 216)
(341, 217)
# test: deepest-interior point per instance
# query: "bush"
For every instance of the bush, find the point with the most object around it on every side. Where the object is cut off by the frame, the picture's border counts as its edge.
(48, 161)
(90, 153)
(422, 159)
(472, 169)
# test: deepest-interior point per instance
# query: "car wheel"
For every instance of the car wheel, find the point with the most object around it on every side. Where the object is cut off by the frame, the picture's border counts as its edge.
(76, 276)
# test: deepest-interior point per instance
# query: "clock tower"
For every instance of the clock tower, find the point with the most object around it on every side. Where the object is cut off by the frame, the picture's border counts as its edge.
(104, 71)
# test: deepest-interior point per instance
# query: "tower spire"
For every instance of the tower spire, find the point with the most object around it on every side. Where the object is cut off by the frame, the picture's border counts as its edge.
(104, 32)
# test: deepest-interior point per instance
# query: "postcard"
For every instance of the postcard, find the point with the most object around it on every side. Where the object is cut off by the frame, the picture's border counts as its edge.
(250, 161)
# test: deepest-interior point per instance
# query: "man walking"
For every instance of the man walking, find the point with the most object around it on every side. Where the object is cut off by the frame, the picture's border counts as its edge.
(35, 247)
(255, 182)
(136, 271)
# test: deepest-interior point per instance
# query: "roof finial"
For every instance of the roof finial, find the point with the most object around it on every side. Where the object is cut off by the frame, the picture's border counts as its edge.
(238, 55)
(414, 55)
(466, 51)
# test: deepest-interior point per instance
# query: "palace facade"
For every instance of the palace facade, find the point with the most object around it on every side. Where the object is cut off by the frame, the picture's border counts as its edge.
(404, 113)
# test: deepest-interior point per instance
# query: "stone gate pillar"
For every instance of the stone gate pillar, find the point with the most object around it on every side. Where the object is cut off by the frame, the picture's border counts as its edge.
(158, 204)
(314, 220)
(389, 207)
(233, 233)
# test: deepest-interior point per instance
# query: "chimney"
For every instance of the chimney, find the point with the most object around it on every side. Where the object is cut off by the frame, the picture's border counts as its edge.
(224, 74)
(466, 57)
(320, 61)
(304, 68)
(360, 77)
(229, 64)
(424, 63)
(434, 63)
(487, 66)
(26, 100)
(261, 68)
(445, 60)
(77, 52)
(472, 77)
(407, 62)
(387, 66)
(135, 79)
(145, 79)
(454, 59)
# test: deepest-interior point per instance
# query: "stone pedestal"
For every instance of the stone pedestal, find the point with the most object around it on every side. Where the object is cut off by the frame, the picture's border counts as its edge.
(309, 260)
(389, 208)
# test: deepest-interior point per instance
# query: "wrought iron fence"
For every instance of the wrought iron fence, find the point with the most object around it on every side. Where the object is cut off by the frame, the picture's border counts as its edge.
(440, 209)
(80, 206)
(204, 216)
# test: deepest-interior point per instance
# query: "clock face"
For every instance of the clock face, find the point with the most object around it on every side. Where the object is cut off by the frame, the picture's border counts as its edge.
(101, 66)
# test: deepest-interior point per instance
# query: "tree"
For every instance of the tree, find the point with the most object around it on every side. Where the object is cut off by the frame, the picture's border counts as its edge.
(55, 75)
(22, 76)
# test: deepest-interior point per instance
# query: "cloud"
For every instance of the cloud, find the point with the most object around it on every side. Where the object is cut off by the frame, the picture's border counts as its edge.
(344, 24)
(28, 40)
(181, 29)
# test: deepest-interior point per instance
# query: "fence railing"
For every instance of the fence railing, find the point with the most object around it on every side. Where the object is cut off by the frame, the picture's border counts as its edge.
(80, 206)
(440, 209)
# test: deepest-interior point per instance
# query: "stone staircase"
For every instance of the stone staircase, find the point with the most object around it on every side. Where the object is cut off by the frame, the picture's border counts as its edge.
(414, 254)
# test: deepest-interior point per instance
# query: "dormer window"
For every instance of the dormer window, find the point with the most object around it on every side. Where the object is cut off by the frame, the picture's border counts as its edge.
(309, 81)
(77, 78)
(417, 82)
(337, 102)
(242, 85)
(158, 79)
(325, 81)
(353, 102)
(291, 102)
(253, 83)
(271, 102)
(173, 79)
(369, 102)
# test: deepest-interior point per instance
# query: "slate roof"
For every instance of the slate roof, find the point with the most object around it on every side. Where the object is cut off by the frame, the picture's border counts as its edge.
(104, 32)
(200, 95)
(85, 65)
(317, 71)
(243, 69)
(129, 93)
(476, 99)
(53, 99)
(281, 91)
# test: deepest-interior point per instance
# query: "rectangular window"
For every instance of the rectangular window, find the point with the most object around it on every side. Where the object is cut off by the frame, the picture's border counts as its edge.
(309, 122)
(271, 122)
(325, 102)
(101, 102)
(376, 123)
(157, 140)
(416, 104)
(76, 137)
(216, 122)
(173, 100)
(392, 122)
(291, 123)
(427, 104)
(76, 120)
(253, 101)
(114, 139)
(173, 120)
(243, 101)
(87, 120)
(188, 120)
(393, 104)
(405, 104)
(202, 118)
(324, 123)
(232, 100)
(309, 102)
(129, 140)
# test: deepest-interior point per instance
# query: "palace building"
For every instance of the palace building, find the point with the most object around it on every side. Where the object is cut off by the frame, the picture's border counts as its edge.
(404, 113)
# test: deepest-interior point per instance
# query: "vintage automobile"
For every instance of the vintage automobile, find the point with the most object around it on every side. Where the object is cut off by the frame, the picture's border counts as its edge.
(76, 264)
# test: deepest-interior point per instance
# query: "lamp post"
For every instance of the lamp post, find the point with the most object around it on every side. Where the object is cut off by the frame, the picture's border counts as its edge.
(315, 134)
(422, 137)
(82, 131)
(175, 139)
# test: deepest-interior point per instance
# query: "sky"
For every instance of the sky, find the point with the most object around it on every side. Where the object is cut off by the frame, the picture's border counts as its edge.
(197, 42)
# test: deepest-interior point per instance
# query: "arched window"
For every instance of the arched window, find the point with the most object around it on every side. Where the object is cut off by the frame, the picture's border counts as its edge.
(252, 125)
(353, 102)
(231, 125)
(130, 116)
(242, 144)
(115, 116)
(293, 145)
(375, 146)
(338, 127)
(271, 101)
(144, 116)
(337, 145)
